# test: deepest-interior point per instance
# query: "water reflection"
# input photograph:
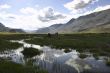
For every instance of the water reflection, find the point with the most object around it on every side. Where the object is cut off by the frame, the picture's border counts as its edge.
(57, 61)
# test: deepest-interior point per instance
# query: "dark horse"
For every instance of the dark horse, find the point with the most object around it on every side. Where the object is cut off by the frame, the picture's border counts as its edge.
(53, 35)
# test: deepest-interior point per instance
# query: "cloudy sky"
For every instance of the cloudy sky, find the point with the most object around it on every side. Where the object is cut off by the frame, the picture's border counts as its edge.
(34, 14)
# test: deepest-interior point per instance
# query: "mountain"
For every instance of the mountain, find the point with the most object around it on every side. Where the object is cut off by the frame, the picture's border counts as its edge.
(6, 29)
(3, 28)
(96, 22)
(17, 30)
(51, 29)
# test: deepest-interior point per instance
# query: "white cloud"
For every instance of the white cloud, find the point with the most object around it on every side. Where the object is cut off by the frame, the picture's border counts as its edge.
(78, 4)
(5, 6)
(83, 12)
(48, 14)
(28, 10)
(79, 7)
(29, 18)
(20, 21)
(98, 9)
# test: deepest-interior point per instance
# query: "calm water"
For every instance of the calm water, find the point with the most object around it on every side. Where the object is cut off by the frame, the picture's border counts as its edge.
(57, 61)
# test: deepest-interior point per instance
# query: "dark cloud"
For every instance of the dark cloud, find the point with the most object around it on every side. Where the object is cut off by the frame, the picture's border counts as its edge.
(79, 4)
(50, 15)
(11, 17)
(82, 4)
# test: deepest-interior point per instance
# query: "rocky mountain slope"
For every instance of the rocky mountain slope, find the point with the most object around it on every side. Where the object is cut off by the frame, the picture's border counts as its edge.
(92, 23)
(6, 29)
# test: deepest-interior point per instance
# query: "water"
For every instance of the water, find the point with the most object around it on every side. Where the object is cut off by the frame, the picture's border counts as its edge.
(57, 61)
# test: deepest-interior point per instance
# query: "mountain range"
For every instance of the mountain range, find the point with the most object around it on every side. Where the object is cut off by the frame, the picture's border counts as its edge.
(98, 22)
(7, 29)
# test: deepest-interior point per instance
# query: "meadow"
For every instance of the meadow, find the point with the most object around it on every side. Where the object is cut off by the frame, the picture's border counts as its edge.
(96, 43)
(11, 67)
(7, 66)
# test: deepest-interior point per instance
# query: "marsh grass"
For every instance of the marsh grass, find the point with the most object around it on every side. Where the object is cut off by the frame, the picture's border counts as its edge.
(95, 42)
(11, 67)
(83, 56)
(30, 52)
(67, 50)
(108, 63)
(7, 45)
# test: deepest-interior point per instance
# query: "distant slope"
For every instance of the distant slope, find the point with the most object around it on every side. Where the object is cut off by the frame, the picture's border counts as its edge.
(17, 30)
(50, 29)
(93, 23)
(3, 28)
(6, 29)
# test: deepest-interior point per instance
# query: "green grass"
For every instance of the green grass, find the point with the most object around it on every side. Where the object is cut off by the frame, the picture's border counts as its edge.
(10, 67)
(7, 45)
(30, 52)
(82, 56)
(94, 42)
(108, 63)
(67, 50)
(74, 41)
(97, 43)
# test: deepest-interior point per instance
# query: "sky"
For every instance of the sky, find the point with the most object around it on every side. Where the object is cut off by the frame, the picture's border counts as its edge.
(35, 14)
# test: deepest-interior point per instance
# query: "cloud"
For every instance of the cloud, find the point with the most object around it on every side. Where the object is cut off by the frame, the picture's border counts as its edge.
(78, 4)
(11, 17)
(48, 14)
(101, 8)
(28, 18)
(98, 9)
(28, 10)
(5, 6)
(81, 12)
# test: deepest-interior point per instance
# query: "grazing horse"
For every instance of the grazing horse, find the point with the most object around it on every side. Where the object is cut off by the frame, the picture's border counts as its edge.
(49, 35)
(53, 35)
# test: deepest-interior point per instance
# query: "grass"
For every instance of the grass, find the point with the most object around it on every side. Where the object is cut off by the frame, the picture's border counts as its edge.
(67, 50)
(74, 41)
(94, 42)
(7, 45)
(10, 67)
(30, 52)
(82, 56)
(108, 63)
(97, 43)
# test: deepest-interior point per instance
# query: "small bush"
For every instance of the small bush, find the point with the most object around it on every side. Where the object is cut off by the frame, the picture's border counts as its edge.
(108, 63)
(30, 52)
(67, 50)
(82, 56)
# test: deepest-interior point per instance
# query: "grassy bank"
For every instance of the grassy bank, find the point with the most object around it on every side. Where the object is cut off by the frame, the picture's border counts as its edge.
(7, 45)
(10, 67)
(30, 52)
(97, 43)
